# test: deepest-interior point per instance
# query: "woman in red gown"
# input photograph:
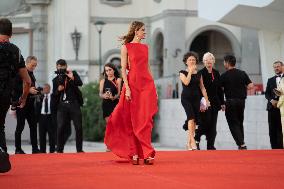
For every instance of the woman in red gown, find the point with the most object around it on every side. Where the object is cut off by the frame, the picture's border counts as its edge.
(129, 128)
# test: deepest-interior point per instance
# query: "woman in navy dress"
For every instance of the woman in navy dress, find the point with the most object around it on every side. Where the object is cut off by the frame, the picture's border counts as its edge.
(192, 84)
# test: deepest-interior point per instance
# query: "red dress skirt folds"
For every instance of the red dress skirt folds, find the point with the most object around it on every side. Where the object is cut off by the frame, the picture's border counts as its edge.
(129, 128)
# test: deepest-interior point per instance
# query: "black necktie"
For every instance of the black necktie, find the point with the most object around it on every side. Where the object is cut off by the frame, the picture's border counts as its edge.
(46, 104)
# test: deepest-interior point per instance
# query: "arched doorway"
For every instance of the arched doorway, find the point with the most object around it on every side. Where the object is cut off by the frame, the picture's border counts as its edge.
(159, 55)
(112, 56)
(215, 42)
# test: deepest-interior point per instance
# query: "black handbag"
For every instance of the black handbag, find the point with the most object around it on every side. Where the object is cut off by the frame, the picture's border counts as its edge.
(5, 164)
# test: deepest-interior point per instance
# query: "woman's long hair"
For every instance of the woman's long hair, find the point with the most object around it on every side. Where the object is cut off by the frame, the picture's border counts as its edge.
(134, 26)
(112, 66)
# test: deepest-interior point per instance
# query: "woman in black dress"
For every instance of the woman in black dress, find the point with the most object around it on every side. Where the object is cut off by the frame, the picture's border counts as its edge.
(192, 84)
(110, 87)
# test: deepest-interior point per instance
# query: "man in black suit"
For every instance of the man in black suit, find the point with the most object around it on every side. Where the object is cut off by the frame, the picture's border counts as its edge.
(69, 98)
(46, 125)
(274, 118)
(27, 112)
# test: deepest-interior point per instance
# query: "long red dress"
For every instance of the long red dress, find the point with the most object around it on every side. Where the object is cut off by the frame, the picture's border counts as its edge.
(129, 128)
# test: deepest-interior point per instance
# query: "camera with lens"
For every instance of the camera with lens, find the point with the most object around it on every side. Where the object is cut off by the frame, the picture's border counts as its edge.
(61, 73)
(14, 105)
(39, 89)
(108, 90)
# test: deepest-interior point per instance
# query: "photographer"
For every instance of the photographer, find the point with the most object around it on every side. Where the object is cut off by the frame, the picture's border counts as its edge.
(11, 63)
(27, 112)
(69, 99)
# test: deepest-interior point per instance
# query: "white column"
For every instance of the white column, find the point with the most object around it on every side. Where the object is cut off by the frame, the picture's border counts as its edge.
(39, 26)
(271, 49)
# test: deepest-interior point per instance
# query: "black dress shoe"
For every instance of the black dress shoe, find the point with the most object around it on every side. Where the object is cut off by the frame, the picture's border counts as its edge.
(19, 151)
(5, 164)
(211, 148)
(80, 151)
(242, 147)
(51, 150)
(36, 151)
(149, 161)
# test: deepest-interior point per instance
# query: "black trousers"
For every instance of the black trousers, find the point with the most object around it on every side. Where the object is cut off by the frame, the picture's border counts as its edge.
(4, 107)
(26, 113)
(67, 129)
(235, 117)
(46, 126)
(65, 113)
(208, 127)
(275, 128)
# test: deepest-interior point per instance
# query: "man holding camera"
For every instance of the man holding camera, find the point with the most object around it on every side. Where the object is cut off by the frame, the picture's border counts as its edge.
(27, 112)
(11, 63)
(69, 99)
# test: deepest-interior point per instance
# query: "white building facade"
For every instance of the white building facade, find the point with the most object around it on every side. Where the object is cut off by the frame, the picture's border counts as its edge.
(43, 28)
(265, 16)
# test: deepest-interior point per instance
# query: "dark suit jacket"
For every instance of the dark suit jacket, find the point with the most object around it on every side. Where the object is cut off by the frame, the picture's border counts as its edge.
(39, 104)
(72, 90)
(213, 88)
(269, 94)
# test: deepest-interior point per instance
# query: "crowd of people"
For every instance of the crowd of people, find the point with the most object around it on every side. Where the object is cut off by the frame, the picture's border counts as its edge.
(49, 113)
(233, 83)
(129, 102)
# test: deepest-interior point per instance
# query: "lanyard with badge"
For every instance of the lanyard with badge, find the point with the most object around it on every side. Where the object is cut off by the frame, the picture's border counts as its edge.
(64, 93)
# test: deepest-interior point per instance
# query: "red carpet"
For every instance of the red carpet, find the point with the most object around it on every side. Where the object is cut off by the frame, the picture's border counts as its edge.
(176, 169)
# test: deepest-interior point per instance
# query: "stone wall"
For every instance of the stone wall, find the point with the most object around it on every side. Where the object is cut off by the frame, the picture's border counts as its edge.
(172, 117)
